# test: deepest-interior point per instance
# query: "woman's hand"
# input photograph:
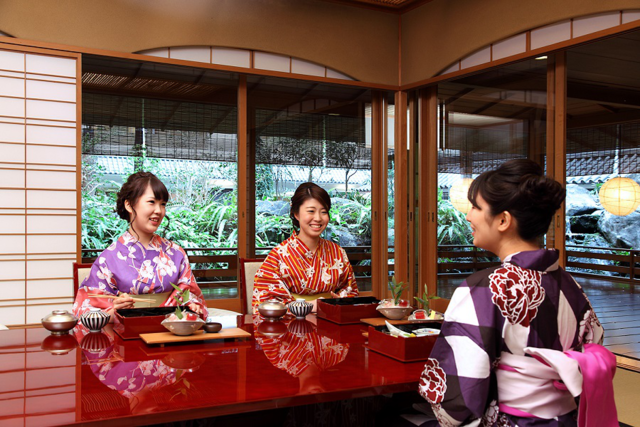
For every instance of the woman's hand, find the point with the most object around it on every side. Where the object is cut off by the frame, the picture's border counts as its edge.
(123, 301)
(195, 308)
(334, 295)
(315, 305)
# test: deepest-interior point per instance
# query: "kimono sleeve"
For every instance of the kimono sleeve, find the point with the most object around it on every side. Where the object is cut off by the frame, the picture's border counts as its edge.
(348, 287)
(268, 284)
(187, 280)
(458, 380)
(100, 281)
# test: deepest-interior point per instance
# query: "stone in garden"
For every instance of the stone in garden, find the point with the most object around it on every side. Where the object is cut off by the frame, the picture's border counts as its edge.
(580, 201)
(274, 208)
(621, 231)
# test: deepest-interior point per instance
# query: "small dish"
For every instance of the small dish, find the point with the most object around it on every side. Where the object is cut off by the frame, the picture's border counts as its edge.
(59, 322)
(182, 327)
(212, 327)
(95, 319)
(300, 308)
(394, 313)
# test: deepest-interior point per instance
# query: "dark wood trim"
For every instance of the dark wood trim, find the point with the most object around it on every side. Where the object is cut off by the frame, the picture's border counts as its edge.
(412, 189)
(244, 206)
(560, 148)
(545, 50)
(401, 192)
(379, 256)
(428, 190)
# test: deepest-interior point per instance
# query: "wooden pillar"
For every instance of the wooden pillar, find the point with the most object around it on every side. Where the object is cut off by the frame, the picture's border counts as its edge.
(401, 200)
(412, 192)
(379, 239)
(556, 144)
(246, 177)
(428, 190)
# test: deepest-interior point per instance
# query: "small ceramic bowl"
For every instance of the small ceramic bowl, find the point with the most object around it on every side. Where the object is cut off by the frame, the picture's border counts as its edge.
(59, 322)
(182, 327)
(300, 308)
(394, 313)
(212, 327)
(272, 310)
(95, 319)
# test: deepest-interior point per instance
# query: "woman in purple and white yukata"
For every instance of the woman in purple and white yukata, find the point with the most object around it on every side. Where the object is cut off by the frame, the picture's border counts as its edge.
(518, 338)
(140, 262)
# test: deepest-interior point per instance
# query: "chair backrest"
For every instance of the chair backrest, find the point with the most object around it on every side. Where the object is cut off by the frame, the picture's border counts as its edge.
(80, 272)
(439, 304)
(248, 270)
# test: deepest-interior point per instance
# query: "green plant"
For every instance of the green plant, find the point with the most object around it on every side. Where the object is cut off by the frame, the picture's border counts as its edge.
(180, 297)
(426, 298)
(396, 290)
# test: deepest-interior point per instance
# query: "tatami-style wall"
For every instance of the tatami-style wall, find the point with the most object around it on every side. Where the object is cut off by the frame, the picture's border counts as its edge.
(38, 183)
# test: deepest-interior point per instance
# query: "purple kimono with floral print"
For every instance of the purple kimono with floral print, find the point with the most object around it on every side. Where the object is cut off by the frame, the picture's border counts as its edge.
(128, 267)
(528, 301)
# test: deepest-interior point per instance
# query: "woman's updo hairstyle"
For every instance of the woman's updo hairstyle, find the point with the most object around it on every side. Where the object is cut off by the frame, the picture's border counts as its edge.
(304, 192)
(134, 188)
(521, 188)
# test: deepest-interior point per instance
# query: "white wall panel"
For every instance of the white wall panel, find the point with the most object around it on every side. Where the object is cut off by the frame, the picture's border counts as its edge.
(12, 199)
(50, 224)
(550, 34)
(51, 65)
(160, 53)
(13, 289)
(192, 53)
(477, 58)
(13, 178)
(52, 91)
(593, 23)
(59, 180)
(12, 107)
(13, 153)
(51, 199)
(12, 270)
(10, 132)
(12, 224)
(53, 288)
(51, 135)
(13, 61)
(511, 46)
(12, 316)
(51, 110)
(11, 87)
(46, 155)
(231, 57)
(35, 313)
(12, 244)
(46, 269)
(272, 62)
(630, 16)
(308, 68)
(51, 244)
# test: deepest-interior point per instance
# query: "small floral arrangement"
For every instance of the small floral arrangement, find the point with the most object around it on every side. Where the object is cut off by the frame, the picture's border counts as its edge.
(426, 298)
(181, 297)
(396, 289)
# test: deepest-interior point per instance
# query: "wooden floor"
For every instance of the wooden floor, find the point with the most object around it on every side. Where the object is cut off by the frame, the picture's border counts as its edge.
(617, 305)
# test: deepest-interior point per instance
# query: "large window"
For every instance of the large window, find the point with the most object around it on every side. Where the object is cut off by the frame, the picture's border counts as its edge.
(181, 124)
(483, 120)
(305, 131)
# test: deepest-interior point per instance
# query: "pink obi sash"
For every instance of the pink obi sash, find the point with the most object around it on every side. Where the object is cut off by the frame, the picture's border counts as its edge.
(531, 387)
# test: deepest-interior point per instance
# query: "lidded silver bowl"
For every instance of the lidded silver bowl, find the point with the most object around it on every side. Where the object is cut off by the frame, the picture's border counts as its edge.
(272, 310)
(59, 322)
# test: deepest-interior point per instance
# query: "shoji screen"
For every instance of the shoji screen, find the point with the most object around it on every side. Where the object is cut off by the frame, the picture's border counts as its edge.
(39, 168)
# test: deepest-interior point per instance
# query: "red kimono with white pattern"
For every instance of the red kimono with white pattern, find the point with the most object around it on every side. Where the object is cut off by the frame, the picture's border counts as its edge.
(292, 268)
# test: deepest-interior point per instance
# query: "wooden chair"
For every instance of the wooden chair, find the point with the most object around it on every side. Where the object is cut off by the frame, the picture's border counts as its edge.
(80, 272)
(248, 270)
(439, 304)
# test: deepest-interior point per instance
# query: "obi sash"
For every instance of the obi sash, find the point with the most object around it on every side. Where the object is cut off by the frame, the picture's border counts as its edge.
(311, 297)
(544, 386)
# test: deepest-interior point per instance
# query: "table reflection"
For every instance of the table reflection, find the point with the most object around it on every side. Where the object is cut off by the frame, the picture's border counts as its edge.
(296, 347)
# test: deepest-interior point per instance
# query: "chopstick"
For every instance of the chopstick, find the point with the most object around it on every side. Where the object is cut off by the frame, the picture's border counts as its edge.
(115, 296)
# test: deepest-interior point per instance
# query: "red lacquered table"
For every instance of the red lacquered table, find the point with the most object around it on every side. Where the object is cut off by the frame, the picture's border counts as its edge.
(101, 379)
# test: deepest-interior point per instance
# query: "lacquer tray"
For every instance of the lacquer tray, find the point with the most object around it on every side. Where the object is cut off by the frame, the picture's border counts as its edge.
(168, 337)
(403, 349)
(345, 311)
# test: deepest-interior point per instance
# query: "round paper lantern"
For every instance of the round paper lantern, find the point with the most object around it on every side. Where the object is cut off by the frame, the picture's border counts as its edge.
(620, 196)
(458, 195)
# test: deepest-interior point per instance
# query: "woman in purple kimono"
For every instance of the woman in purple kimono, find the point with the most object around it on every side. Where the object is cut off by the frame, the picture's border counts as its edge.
(504, 354)
(140, 262)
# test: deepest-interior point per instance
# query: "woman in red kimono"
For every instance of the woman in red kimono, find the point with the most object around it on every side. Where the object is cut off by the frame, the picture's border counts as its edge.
(305, 265)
